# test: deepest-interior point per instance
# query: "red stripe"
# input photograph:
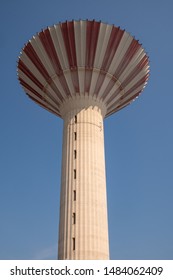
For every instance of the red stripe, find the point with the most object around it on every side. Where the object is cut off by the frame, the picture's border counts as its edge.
(64, 85)
(139, 83)
(127, 101)
(29, 74)
(26, 85)
(48, 45)
(75, 79)
(99, 83)
(135, 72)
(23, 83)
(133, 48)
(30, 52)
(67, 29)
(88, 76)
(108, 88)
(114, 95)
(114, 41)
(123, 104)
(92, 32)
(116, 109)
(131, 51)
(143, 63)
(56, 91)
(68, 33)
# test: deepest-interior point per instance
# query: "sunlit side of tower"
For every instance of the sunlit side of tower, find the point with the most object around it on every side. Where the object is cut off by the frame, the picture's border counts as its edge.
(83, 71)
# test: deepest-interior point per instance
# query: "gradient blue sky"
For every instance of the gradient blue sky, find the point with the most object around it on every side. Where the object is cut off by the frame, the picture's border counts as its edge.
(138, 139)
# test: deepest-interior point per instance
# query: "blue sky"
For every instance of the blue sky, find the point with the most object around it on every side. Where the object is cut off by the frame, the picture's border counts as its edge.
(138, 139)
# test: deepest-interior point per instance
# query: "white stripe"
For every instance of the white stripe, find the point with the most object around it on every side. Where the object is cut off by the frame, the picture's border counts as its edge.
(42, 54)
(94, 79)
(104, 85)
(58, 41)
(80, 43)
(102, 43)
(32, 68)
(116, 98)
(129, 96)
(37, 89)
(103, 39)
(121, 50)
(30, 83)
(60, 48)
(112, 91)
(132, 64)
(135, 80)
(59, 86)
(69, 81)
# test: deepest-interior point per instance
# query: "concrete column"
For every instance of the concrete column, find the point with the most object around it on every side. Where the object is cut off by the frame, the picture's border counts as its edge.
(83, 228)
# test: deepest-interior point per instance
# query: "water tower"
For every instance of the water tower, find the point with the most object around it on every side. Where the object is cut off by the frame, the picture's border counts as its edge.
(83, 71)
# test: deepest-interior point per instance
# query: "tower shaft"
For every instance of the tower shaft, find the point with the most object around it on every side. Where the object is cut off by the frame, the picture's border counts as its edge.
(83, 228)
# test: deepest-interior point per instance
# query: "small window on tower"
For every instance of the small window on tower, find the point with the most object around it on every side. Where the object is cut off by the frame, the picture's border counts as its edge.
(74, 195)
(75, 154)
(75, 136)
(75, 119)
(73, 243)
(74, 218)
(74, 173)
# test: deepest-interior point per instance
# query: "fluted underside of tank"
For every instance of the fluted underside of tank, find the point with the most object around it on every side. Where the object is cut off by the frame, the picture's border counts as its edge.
(83, 58)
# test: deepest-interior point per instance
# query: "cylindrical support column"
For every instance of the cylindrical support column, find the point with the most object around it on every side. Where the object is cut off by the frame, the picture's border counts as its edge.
(83, 228)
